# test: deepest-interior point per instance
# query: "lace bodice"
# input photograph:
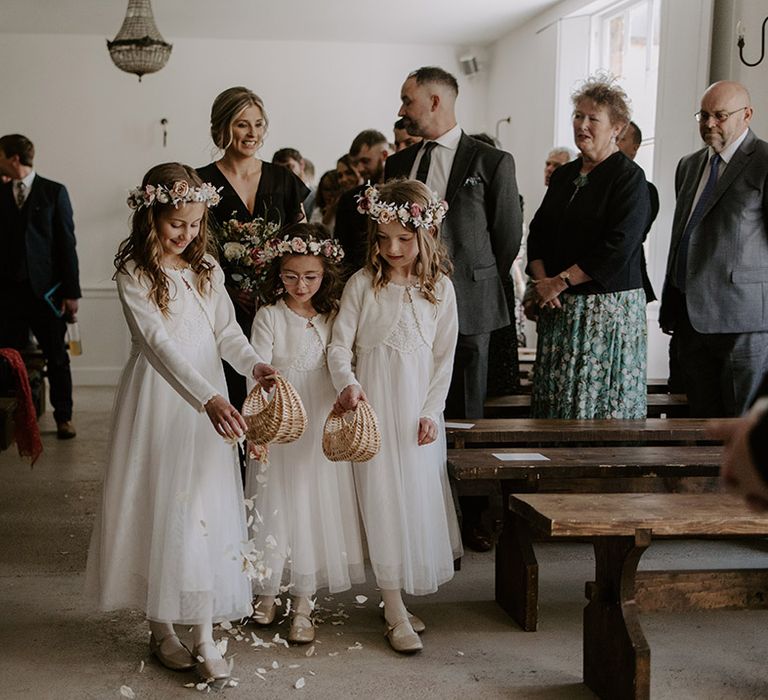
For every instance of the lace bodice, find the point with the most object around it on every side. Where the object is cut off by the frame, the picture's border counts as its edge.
(187, 322)
(406, 336)
(311, 356)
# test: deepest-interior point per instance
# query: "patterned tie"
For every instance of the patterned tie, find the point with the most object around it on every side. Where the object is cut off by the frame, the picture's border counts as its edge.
(694, 221)
(21, 194)
(426, 159)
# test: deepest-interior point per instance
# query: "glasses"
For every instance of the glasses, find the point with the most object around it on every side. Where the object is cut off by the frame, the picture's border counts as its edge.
(291, 279)
(719, 117)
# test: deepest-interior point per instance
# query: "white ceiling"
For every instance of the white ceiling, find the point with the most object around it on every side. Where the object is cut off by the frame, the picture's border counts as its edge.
(452, 22)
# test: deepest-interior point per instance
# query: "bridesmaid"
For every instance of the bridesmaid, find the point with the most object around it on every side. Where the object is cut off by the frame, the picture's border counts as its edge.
(250, 188)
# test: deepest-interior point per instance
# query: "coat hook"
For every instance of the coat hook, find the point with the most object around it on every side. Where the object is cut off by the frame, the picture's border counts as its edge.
(164, 122)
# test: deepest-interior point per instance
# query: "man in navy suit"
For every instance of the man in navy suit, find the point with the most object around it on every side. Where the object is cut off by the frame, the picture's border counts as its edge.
(39, 287)
(482, 231)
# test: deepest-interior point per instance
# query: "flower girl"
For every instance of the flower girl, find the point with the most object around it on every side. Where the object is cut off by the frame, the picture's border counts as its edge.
(172, 523)
(393, 344)
(305, 511)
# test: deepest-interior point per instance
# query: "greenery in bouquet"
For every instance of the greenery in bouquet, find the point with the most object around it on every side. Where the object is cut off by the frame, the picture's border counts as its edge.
(242, 253)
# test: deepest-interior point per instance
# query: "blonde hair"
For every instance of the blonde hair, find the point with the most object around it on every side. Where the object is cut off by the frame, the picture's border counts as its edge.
(432, 259)
(143, 245)
(227, 107)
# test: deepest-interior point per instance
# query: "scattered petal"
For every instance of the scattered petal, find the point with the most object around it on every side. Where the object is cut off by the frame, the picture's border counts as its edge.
(202, 686)
(355, 647)
(294, 665)
(299, 684)
(459, 653)
(189, 685)
(333, 653)
(226, 625)
(126, 692)
(381, 604)
(141, 667)
(260, 676)
(275, 664)
(310, 651)
(361, 599)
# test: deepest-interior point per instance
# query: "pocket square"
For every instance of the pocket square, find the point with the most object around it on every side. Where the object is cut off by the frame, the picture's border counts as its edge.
(472, 181)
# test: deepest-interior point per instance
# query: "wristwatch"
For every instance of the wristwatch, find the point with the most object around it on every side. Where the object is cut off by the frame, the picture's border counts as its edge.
(566, 277)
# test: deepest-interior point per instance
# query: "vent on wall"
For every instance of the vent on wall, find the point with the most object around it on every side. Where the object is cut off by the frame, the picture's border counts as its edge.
(469, 65)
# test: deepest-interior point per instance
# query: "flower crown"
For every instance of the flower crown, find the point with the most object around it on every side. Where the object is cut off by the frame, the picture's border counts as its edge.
(178, 193)
(416, 215)
(277, 247)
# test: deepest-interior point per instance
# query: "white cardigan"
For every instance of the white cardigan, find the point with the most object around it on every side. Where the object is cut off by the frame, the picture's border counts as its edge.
(366, 319)
(150, 336)
(277, 333)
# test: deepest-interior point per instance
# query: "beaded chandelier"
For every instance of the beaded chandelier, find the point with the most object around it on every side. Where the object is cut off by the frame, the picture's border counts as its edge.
(139, 47)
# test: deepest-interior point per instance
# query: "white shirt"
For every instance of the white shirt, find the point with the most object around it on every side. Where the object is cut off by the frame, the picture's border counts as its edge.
(442, 161)
(27, 184)
(725, 155)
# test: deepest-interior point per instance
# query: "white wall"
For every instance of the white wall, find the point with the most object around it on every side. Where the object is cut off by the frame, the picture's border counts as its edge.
(726, 64)
(97, 129)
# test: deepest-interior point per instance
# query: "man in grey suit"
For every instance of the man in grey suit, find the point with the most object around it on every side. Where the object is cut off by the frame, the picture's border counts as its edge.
(482, 232)
(715, 297)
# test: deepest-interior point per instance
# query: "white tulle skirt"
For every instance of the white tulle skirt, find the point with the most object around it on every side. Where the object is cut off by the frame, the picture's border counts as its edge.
(172, 524)
(404, 495)
(306, 519)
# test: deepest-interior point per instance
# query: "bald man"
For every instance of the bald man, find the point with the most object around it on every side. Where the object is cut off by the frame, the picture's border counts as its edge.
(715, 298)
(555, 158)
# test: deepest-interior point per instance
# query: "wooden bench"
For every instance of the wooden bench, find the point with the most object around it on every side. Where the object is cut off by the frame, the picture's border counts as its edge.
(586, 469)
(545, 431)
(655, 386)
(617, 657)
(519, 406)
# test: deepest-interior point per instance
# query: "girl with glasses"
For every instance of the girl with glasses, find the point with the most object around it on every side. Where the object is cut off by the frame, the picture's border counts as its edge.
(305, 513)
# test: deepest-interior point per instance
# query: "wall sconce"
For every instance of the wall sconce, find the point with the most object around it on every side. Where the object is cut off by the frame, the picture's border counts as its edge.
(499, 122)
(740, 43)
(164, 124)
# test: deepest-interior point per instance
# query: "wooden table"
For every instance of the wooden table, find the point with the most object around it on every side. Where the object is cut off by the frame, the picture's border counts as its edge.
(519, 406)
(543, 431)
(617, 657)
(595, 469)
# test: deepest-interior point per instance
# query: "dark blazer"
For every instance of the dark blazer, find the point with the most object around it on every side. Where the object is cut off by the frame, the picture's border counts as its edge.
(653, 193)
(599, 226)
(482, 229)
(47, 237)
(727, 276)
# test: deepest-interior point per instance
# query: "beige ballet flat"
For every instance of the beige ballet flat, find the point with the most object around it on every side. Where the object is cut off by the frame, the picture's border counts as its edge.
(210, 669)
(177, 660)
(302, 629)
(402, 638)
(416, 622)
(264, 616)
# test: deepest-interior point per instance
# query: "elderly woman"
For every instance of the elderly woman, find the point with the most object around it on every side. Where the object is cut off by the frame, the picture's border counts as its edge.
(586, 289)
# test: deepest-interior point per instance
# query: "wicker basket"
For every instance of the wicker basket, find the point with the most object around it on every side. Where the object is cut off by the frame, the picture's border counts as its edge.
(280, 418)
(353, 436)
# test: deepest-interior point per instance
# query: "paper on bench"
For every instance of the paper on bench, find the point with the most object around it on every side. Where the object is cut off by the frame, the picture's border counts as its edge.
(460, 426)
(520, 457)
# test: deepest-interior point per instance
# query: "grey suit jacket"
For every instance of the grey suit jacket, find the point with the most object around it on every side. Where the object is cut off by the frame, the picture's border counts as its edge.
(727, 275)
(482, 229)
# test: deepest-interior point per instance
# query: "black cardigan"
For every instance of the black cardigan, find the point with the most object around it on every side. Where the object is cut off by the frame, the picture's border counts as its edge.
(598, 226)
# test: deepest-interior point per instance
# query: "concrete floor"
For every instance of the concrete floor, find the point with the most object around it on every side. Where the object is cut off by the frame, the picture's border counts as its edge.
(53, 645)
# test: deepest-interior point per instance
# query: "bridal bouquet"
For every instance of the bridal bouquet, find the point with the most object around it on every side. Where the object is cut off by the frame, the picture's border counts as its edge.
(242, 252)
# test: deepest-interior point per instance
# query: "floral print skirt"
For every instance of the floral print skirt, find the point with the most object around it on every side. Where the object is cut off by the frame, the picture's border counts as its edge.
(591, 358)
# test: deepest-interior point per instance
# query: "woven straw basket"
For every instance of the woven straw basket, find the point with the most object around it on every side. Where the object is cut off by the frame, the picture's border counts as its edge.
(281, 418)
(352, 437)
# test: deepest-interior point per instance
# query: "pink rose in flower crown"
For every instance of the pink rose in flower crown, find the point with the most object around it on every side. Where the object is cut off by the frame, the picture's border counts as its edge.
(299, 245)
(415, 210)
(363, 205)
(327, 249)
(180, 189)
